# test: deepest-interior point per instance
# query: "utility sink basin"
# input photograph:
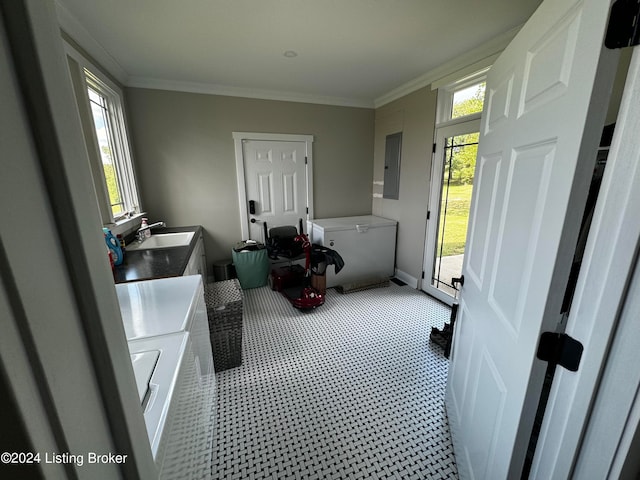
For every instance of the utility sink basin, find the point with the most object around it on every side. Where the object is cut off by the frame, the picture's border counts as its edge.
(163, 240)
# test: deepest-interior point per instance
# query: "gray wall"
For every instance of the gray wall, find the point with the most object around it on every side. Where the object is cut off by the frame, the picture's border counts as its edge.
(185, 159)
(414, 116)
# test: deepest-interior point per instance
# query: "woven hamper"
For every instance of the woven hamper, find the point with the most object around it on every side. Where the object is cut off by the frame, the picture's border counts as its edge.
(224, 310)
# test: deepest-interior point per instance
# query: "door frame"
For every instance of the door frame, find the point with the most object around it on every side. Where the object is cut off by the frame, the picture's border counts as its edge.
(460, 127)
(238, 139)
(81, 368)
(592, 413)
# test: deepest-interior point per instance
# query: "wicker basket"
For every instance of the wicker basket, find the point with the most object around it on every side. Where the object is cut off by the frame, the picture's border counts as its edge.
(224, 310)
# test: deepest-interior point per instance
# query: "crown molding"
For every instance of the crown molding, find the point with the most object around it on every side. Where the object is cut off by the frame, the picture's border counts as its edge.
(478, 56)
(213, 89)
(72, 27)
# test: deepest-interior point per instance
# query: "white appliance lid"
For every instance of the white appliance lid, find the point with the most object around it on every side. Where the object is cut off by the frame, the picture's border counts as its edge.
(157, 307)
(144, 363)
(162, 383)
(352, 223)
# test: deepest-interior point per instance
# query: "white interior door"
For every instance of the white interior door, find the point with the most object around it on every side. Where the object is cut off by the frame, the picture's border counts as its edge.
(595, 410)
(276, 184)
(541, 125)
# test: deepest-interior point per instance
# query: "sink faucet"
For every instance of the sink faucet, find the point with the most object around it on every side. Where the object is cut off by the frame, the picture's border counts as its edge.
(141, 230)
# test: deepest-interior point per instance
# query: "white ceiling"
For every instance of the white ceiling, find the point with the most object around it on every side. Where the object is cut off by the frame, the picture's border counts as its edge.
(349, 51)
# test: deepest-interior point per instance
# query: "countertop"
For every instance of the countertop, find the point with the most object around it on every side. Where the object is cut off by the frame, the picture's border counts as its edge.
(157, 263)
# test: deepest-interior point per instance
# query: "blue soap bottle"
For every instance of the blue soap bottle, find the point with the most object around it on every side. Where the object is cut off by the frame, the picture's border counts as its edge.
(114, 246)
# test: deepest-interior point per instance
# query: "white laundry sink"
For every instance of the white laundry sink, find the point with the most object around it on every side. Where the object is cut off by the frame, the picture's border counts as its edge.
(162, 240)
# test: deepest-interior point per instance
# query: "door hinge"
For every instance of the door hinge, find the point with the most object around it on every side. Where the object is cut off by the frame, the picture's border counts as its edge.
(433, 150)
(423, 274)
(428, 214)
(305, 160)
(307, 209)
(560, 349)
(623, 29)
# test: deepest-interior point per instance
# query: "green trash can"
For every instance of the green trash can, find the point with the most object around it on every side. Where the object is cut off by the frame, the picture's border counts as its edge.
(252, 267)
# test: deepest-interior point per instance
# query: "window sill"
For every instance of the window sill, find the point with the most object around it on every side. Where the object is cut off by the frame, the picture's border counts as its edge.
(127, 225)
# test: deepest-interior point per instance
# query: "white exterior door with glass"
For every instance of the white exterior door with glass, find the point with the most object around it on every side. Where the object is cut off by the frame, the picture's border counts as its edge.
(451, 186)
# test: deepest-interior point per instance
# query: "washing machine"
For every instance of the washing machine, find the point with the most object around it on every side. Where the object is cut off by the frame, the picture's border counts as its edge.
(167, 305)
(177, 406)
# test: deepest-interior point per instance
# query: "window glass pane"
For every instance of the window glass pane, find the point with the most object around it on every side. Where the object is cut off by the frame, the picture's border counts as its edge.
(468, 100)
(104, 134)
(457, 186)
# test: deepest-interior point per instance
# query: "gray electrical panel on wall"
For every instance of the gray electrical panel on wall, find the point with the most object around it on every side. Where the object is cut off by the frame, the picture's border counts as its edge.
(392, 152)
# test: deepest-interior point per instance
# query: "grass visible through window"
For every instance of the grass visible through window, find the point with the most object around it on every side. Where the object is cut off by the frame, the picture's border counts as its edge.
(457, 219)
(457, 186)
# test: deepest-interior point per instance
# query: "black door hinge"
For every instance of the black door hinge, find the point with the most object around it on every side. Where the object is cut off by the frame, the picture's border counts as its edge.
(560, 349)
(305, 160)
(423, 274)
(428, 214)
(623, 29)
(434, 148)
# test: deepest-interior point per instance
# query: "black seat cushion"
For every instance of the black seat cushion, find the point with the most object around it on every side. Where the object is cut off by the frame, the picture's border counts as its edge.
(281, 242)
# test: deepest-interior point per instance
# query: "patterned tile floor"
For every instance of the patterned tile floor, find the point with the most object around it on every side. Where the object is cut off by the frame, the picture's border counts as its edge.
(351, 390)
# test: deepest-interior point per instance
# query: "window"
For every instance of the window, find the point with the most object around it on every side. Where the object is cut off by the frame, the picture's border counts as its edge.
(462, 100)
(116, 167)
(456, 145)
(101, 110)
(468, 100)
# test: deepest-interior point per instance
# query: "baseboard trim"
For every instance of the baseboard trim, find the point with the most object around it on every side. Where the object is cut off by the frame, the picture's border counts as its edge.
(406, 278)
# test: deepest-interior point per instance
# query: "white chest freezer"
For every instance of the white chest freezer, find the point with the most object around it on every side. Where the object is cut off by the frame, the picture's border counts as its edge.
(366, 243)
